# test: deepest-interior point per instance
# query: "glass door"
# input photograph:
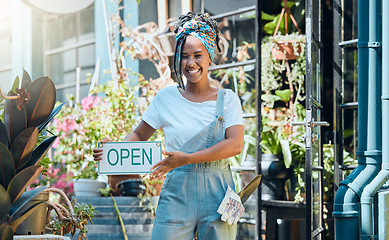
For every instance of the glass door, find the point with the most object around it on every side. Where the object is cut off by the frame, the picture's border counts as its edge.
(313, 123)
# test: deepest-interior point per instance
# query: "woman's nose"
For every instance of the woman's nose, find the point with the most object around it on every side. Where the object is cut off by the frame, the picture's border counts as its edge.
(191, 61)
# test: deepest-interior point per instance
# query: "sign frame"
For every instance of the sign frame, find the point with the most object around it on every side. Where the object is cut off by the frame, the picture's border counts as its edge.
(126, 144)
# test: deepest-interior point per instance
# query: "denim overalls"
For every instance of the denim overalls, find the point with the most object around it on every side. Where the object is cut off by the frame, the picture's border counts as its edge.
(191, 194)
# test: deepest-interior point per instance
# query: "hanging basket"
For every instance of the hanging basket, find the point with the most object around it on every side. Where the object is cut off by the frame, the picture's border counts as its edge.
(286, 51)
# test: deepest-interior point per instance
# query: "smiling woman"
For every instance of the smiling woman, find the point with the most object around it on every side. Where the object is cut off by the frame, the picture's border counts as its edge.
(203, 126)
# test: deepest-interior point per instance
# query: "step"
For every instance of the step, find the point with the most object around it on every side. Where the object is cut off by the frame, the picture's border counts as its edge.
(138, 221)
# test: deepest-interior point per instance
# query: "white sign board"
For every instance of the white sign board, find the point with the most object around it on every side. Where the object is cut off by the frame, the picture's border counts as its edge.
(129, 157)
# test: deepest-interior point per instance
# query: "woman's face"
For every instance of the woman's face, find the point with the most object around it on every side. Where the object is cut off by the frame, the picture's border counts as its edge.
(195, 60)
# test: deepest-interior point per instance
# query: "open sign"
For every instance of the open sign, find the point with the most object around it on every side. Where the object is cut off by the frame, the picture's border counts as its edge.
(129, 157)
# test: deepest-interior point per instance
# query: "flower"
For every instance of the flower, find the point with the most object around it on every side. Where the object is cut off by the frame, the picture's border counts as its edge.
(89, 102)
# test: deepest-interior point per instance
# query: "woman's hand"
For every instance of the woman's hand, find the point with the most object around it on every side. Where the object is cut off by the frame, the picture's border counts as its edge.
(98, 152)
(173, 160)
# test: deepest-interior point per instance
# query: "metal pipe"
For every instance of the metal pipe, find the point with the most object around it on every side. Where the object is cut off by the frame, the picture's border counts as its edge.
(346, 203)
(371, 189)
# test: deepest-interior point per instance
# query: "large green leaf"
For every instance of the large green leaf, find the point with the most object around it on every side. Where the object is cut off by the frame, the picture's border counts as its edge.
(5, 203)
(3, 134)
(52, 115)
(15, 120)
(23, 200)
(26, 80)
(23, 146)
(284, 94)
(39, 152)
(6, 232)
(43, 97)
(7, 167)
(17, 221)
(22, 180)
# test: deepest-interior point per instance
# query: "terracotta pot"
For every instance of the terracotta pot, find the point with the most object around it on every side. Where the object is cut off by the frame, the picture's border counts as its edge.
(285, 51)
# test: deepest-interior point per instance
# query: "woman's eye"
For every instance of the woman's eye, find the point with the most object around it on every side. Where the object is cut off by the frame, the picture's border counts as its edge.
(184, 57)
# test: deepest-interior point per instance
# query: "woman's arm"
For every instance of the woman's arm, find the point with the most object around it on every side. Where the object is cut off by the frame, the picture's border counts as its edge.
(142, 132)
(230, 146)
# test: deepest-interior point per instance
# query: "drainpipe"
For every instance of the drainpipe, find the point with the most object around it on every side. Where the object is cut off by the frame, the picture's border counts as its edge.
(346, 203)
(383, 175)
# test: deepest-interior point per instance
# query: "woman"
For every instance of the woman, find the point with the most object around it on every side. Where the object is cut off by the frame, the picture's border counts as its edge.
(202, 126)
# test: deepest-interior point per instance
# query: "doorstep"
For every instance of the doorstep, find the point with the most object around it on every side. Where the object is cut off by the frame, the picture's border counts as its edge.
(40, 237)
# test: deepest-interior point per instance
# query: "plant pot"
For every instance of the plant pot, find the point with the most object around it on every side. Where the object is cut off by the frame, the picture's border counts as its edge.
(274, 175)
(87, 187)
(114, 180)
(36, 222)
(131, 187)
(285, 51)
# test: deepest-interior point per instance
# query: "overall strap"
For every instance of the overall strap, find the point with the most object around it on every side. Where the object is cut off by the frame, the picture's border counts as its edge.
(220, 103)
(219, 116)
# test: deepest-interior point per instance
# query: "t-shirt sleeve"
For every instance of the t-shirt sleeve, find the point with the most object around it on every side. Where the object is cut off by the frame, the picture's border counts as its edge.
(232, 110)
(151, 115)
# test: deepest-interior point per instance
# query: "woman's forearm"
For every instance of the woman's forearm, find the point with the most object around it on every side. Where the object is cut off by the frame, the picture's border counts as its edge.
(229, 147)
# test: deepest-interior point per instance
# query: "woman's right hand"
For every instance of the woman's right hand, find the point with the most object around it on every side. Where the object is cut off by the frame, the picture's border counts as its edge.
(98, 152)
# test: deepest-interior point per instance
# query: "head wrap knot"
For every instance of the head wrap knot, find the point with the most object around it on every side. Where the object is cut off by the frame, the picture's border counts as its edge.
(202, 31)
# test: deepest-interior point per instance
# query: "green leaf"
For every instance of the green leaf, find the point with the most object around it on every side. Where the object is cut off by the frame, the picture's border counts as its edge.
(286, 152)
(5, 203)
(43, 97)
(26, 79)
(17, 221)
(52, 115)
(15, 85)
(3, 134)
(267, 17)
(15, 120)
(22, 180)
(24, 199)
(7, 167)
(6, 232)
(39, 152)
(23, 146)
(284, 94)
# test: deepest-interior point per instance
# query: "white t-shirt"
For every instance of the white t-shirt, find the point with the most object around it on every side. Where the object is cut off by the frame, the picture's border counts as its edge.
(181, 119)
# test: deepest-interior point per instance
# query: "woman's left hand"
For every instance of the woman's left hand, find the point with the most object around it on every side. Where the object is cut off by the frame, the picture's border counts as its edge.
(173, 160)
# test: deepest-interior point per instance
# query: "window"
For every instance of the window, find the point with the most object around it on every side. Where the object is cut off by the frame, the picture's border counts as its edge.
(6, 45)
(69, 44)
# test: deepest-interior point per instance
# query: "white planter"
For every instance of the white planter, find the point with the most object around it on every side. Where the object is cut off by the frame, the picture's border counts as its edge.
(87, 187)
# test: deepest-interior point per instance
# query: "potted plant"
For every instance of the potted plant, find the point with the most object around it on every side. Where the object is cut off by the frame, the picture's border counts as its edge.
(27, 111)
(85, 183)
(69, 217)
